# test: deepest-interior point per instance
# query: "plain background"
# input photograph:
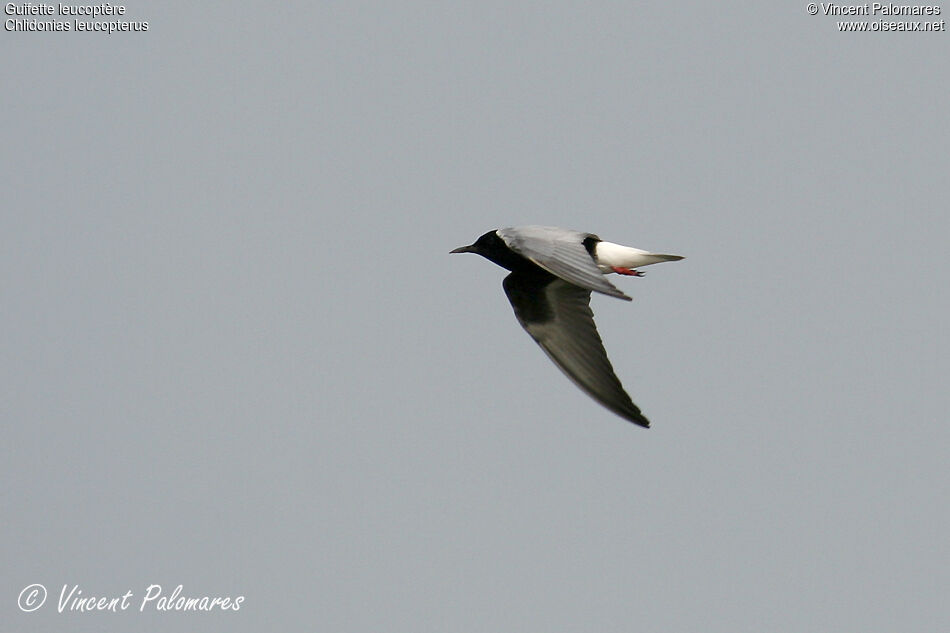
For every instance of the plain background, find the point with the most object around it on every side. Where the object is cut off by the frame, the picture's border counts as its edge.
(237, 356)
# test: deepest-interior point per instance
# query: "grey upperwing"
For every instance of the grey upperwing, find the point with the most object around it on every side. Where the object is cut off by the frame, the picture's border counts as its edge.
(561, 252)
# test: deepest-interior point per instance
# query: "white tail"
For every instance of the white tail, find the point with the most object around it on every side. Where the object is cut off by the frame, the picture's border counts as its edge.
(610, 255)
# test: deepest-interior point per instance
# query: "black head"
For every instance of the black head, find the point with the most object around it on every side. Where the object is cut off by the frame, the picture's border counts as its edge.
(484, 246)
(493, 248)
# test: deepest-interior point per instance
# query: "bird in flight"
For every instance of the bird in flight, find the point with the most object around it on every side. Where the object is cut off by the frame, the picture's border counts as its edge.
(553, 272)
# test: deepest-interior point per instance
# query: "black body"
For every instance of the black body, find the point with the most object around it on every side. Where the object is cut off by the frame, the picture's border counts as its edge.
(558, 317)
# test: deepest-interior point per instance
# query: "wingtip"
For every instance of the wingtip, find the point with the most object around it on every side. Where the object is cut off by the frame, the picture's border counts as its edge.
(638, 419)
(634, 415)
(616, 292)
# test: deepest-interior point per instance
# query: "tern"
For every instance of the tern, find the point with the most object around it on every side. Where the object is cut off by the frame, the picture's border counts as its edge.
(553, 272)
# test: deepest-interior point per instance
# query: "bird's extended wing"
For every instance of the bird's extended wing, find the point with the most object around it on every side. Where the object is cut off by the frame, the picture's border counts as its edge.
(561, 252)
(557, 315)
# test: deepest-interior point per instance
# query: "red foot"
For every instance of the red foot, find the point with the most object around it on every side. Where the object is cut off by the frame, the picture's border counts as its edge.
(627, 271)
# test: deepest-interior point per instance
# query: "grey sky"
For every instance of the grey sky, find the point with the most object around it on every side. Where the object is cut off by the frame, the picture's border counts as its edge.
(237, 356)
